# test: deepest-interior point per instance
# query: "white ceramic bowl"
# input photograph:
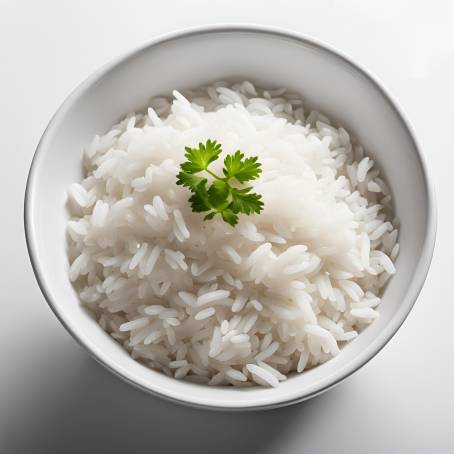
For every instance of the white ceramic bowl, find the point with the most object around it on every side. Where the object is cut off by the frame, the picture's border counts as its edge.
(328, 81)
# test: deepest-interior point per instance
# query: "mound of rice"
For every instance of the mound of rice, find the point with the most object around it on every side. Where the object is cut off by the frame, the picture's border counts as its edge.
(214, 304)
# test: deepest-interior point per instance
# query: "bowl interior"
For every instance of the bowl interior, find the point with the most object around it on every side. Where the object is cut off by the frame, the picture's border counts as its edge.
(327, 81)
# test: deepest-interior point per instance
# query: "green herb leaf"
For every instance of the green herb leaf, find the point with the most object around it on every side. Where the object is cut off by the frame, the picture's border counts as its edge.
(235, 166)
(218, 193)
(219, 196)
(190, 180)
(245, 202)
(198, 159)
(210, 216)
(200, 200)
(230, 217)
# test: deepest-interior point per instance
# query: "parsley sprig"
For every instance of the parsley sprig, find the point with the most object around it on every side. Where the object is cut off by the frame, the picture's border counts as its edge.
(219, 196)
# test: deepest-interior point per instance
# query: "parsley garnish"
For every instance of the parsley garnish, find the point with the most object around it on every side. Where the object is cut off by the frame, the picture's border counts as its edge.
(219, 196)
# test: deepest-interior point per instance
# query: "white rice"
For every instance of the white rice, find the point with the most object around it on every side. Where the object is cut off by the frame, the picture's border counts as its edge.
(280, 292)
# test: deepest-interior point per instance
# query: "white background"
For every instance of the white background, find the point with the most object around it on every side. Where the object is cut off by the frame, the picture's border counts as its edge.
(55, 399)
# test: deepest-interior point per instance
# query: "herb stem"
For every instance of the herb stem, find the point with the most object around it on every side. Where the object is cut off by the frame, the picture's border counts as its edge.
(214, 175)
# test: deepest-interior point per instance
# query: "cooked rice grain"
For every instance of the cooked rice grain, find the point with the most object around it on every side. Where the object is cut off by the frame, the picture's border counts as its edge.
(202, 301)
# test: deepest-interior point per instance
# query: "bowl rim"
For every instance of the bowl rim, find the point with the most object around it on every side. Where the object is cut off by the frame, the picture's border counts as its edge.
(361, 359)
